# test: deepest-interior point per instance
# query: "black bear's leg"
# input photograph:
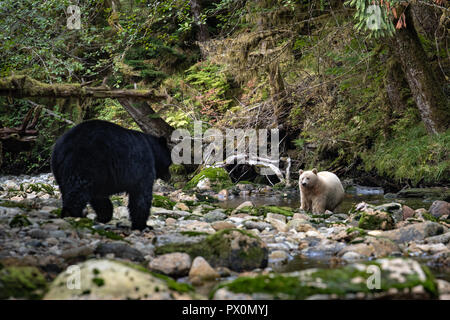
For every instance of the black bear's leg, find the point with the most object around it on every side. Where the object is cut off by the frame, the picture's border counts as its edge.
(139, 204)
(75, 196)
(103, 208)
(73, 204)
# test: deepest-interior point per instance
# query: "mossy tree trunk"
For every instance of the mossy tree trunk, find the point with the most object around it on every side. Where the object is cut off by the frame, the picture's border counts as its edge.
(146, 118)
(425, 88)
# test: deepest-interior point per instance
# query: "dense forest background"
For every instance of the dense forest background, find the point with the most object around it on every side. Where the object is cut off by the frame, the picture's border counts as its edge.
(371, 105)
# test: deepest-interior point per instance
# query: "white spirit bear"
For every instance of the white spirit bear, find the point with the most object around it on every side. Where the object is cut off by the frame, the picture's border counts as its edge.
(320, 191)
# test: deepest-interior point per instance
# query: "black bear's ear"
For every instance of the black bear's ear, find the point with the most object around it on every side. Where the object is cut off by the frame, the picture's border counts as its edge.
(300, 172)
(314, 171)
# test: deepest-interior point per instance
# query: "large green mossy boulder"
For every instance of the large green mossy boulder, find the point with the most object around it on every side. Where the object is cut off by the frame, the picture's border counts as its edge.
(232, 248)
(218, 178)
(115, 280)
(399, 278)
(378, 218)
(22, 283)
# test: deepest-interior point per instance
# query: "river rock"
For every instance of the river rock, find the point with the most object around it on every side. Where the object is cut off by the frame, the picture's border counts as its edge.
(260, 225)
(204, 184)
(352, 256)
(220, 225)
(372, 247)
(277, 224)
(322, 249)
(414, 232)
(197, 226)
(181, 206)
(77, 252)
(201, 271)
(276, 216)
(108, 280)
(215, 215)
(175, 239)
(175, 264)
(443, 238)
(120, 250)
(121, 212)
(38, 234)
(439, 208)
(242, 205)
(407, 212)
(232, 248)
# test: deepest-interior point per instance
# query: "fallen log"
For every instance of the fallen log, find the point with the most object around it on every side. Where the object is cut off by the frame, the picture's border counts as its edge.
(25, 87)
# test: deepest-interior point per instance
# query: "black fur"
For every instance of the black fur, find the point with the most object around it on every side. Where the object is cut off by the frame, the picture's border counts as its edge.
(96, 159)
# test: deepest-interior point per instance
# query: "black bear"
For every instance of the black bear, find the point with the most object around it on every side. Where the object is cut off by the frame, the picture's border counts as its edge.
(96, 159)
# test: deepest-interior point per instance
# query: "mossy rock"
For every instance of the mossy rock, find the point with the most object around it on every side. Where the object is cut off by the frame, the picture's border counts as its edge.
(399, 278)
(177, 169)
(22, 283)
(376, 220)
(162, 202)
(109, 279)
(263, 210)
(232, 248)
(218, 177)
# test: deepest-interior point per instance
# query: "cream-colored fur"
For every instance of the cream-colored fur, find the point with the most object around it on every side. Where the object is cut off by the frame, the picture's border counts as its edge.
(320, 191)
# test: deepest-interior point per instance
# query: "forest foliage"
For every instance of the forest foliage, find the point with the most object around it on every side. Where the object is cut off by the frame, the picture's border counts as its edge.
(314, 68)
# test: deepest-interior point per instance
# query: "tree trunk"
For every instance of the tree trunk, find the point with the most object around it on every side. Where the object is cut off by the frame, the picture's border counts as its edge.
(426, 90)
(146, 118)
(202, 32)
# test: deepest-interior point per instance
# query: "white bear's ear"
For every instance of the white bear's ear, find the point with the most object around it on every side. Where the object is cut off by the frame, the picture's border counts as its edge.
(300, 171)
(314, 171)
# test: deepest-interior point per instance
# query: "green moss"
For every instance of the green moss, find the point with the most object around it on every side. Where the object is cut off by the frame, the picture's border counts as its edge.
(377, 220)
(162, 202)
(361, 232)
(38, 187)
(19, 220)
(56, 212)
(177, 169)
(22, 282)
(86, 223)
(193, 233)
(98, 281)
(15, 204)
(218, 177)
(171, 283)
(429, 217)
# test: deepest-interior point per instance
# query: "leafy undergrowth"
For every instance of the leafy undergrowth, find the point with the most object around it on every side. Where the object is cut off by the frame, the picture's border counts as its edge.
(413, 154)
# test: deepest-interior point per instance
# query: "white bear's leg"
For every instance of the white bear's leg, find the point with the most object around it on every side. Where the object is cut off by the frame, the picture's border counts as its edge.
(318, 206)
(305, 202)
